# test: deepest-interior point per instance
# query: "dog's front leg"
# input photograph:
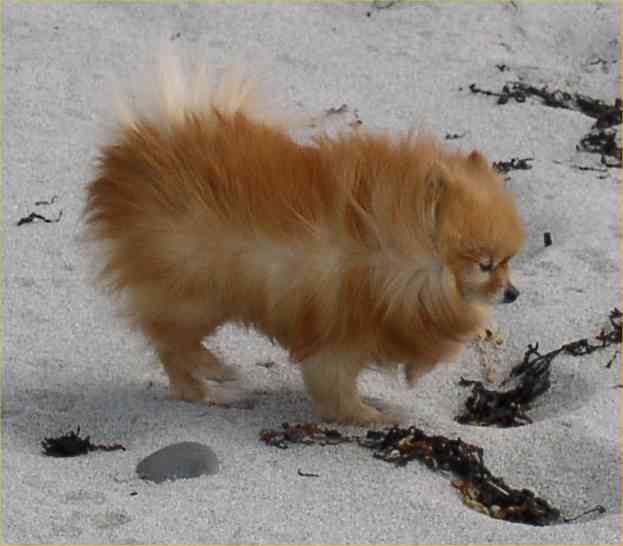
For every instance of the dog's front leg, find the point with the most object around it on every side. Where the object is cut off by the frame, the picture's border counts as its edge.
(331, 380)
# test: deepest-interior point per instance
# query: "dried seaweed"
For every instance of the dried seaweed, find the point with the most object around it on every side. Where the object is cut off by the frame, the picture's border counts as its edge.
(547, 239)
(606, 339)
(512, 164)
(71, 445)
(309, 433)
(615, 335)
(604, 142)
(487, 407)
(33, 216)
(606, 115)
(477, 90)
(480, 489)
(601, 139)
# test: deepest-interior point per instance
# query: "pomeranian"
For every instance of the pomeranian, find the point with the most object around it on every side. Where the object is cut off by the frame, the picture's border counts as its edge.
(351, 250)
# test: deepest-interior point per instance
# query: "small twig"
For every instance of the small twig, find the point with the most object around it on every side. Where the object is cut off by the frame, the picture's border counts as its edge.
(307, 474)
(336, 110)
(614, 357)
(599, 509)
(50, 202)
(586, 168)
(378, 5)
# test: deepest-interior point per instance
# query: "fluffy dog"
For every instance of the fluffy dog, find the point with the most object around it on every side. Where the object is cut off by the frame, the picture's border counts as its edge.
(349, 250)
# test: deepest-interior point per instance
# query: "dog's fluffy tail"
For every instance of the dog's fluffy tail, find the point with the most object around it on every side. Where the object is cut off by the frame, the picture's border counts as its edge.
(179, 82)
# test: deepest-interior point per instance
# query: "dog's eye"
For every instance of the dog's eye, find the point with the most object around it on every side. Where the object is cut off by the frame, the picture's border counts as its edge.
(487, 268)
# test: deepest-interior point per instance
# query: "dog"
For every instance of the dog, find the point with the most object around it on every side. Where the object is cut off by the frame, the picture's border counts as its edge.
(347, 250)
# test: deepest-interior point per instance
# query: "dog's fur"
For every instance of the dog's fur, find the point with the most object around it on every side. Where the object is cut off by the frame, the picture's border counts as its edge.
(347, 250)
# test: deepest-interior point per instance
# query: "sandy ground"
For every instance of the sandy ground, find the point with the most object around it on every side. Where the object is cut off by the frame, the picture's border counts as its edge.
(69, 362)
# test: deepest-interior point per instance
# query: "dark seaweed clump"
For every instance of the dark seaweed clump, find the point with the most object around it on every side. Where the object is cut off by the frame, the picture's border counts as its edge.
(513, 164)
(489, 407)
(601, 139)
(480, 489)
(72, 445)
(307, 434)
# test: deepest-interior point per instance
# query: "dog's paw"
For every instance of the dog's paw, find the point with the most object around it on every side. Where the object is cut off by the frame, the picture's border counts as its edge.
(372, 416)
(359, 415)
(190, 390)
(221, 373)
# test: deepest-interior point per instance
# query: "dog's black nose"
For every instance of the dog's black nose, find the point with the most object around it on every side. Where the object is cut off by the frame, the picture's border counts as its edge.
(510, 294)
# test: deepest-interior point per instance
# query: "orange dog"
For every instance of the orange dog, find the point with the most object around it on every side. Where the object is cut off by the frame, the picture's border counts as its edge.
(349, 250)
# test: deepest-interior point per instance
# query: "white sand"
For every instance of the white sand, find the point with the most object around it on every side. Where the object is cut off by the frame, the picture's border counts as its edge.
(69, 362)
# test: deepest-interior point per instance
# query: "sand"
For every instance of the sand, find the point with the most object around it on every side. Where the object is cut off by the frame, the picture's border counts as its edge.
(69, 361)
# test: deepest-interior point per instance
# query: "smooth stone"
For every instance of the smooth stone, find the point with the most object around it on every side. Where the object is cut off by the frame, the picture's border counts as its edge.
(178, 461)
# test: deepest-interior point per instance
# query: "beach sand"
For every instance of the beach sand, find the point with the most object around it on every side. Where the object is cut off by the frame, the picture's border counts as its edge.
(70, 362)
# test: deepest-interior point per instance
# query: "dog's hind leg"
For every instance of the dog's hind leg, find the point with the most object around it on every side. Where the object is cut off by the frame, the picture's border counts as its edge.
(331, 380)
(186, 361)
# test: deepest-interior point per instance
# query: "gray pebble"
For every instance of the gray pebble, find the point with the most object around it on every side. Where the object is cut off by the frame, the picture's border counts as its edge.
(178, 461)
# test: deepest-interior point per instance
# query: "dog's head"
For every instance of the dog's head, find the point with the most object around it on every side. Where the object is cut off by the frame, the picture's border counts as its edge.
(478, 228)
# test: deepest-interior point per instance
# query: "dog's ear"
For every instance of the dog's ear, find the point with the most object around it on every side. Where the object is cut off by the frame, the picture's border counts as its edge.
(477, 160)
